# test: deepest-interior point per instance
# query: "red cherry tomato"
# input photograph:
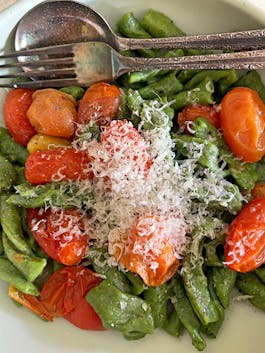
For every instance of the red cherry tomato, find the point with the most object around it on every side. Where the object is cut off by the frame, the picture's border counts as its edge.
(245, 240)
(64, 163)
(60, 234)
(100, 103)
(120, 129)
(85, 317)
(66, 288)
(15, 107)
(243, 123)
(148, 244)
(122, 143)
(194, 111)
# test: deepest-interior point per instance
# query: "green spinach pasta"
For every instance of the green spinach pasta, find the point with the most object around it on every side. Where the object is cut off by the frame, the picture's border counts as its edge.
(139, 204)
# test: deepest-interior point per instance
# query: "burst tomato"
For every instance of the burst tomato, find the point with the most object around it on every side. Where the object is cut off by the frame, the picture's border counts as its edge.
(194, 111)
(123, 146)
(15, 108)
(243, 123)
(149, 249)
(245, 240)
(100, 103)
(59, 164)
(66, 289)
(61, 234)
(53, 112)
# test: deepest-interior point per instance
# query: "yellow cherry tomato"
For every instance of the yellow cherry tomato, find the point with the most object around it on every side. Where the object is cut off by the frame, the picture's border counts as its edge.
(41, 142)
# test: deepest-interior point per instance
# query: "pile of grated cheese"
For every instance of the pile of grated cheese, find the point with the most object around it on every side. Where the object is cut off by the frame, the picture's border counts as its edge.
(139, 177)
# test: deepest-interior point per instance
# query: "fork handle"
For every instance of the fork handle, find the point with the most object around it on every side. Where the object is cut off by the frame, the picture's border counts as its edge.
(252, 39)
(239, 60)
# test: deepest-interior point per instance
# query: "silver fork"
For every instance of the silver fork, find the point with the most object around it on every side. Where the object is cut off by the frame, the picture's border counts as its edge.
(90, 62)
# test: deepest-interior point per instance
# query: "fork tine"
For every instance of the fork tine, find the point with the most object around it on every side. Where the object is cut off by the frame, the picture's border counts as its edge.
(42, 73)
(56, 49)
(58, 72)
(44, 62)
(59, 82)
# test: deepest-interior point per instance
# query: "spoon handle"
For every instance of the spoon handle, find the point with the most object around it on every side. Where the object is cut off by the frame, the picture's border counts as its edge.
(253, 39)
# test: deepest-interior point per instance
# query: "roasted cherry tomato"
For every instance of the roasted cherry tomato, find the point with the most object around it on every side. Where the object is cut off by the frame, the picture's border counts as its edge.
(61, 234)
(66, 288)
(59, 164)
(122, 145)
(53, 112)
(243, 123)
(41, 142)
(148, 250)
(245, 240)
(194, 111)
(120, 130)
(100, 103)
(16, 104)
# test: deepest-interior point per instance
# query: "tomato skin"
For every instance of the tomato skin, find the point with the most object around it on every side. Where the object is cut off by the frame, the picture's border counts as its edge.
(30, 302)
(15, 107)
(59, 164)
(85, 317)
(243, 123)
(100, 103)
(66, 288)
(245, 240)
(194, 111)
(60, 234)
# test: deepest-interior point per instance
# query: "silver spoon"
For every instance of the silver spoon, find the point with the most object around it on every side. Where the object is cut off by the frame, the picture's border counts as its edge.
(63, 21)
(59, 22)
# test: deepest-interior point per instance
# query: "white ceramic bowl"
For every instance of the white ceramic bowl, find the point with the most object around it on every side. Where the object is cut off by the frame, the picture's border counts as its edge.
(244, 327)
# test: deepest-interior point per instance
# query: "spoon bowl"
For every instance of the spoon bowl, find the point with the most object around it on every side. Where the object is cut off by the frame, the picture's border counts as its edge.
(61, 22)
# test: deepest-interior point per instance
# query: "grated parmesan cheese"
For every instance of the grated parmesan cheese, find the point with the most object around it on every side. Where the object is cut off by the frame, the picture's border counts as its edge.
(127, 185)
(140, 175)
